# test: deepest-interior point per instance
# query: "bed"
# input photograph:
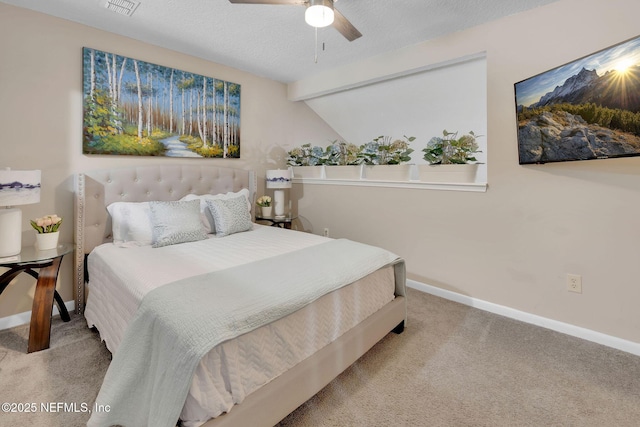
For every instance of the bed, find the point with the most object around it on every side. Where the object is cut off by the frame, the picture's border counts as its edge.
(269, 389)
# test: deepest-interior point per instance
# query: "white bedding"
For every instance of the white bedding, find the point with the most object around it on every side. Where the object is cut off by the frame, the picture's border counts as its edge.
(119, 280)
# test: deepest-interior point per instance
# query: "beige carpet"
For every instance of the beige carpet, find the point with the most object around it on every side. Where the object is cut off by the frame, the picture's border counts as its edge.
(68, 372)
(453, 366)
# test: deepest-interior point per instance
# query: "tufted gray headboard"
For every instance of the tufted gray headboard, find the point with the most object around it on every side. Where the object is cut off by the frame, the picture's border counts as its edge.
(97, 189)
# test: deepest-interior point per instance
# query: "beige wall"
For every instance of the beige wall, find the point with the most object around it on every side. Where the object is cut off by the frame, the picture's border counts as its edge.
(514, 244)
(41, 118)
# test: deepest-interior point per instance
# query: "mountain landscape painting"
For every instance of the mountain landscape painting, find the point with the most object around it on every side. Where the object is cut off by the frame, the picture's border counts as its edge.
(587, 109)
(132, 107)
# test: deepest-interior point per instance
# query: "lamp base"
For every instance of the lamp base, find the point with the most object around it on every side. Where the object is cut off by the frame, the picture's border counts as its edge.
(278, 205)
(10, 232)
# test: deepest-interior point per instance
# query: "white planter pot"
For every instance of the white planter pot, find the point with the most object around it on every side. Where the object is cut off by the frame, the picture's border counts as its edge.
(343, 172)
(266, 211)
(448, 173)
(307, 171)
(46, 241)
(388, 172)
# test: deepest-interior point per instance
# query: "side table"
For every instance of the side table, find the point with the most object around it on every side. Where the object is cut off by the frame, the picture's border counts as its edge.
(48, 263)
(282, 222)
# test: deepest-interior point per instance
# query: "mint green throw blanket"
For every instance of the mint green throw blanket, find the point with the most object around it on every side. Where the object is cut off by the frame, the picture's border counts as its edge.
(178, 323)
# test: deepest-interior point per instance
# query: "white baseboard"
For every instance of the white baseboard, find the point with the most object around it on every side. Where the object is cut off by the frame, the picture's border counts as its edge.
(25, 318)
(565, 328)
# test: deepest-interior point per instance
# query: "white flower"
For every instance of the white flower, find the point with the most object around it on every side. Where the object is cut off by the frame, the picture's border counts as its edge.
(264, 201)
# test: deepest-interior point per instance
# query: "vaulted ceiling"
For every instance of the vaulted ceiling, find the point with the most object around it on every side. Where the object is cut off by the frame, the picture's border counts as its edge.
(274, 41)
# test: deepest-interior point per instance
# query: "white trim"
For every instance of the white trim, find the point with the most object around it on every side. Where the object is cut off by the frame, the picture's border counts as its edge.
(565, 328)
(418, 185)
(25, 317)
(318, 176)
(299, 90)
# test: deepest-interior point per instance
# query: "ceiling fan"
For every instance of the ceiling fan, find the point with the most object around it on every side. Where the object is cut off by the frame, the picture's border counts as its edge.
(319, 13)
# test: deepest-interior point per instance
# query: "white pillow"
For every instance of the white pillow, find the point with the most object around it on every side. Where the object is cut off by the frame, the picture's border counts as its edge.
(176, 222)
(131, 223)
(230, 215)
(205, 215)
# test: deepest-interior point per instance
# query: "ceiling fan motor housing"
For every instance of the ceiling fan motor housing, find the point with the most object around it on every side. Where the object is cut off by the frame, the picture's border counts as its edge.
(319, 13)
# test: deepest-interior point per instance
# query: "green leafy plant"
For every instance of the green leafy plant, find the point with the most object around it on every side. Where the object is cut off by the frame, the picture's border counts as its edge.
(343, 153)
(306, 155)
(450, 149)
(385, 151)
(46, 224)
(382, 150)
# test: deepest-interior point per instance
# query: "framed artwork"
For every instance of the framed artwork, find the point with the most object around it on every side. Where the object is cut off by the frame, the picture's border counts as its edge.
(132, 107)
(586, 109)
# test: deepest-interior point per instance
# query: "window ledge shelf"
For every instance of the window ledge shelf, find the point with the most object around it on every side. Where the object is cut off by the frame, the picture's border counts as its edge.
(419, 185)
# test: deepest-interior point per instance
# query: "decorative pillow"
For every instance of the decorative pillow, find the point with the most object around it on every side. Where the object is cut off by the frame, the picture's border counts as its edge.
(131, 223)
(230, 215)
(205, 215)
(176, 222)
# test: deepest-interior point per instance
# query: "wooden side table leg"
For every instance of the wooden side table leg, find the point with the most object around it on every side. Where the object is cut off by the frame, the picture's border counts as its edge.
(40, 328)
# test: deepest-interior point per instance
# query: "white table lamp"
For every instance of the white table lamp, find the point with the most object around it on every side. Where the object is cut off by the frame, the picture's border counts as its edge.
(279, 180)
(16, 188)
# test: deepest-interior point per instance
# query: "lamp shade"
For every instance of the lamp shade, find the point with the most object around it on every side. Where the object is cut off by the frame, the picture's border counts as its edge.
(280, 178)
(19, 187)
(319, 13)
(16, 188)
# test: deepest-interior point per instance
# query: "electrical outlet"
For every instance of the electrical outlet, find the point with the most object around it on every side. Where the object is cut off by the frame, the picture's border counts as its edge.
(574, 283)
(325, 233)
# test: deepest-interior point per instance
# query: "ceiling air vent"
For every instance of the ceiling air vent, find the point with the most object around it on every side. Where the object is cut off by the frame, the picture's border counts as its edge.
(123, 7)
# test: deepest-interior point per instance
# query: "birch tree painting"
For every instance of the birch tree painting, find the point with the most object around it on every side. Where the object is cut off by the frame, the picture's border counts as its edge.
(133, 107)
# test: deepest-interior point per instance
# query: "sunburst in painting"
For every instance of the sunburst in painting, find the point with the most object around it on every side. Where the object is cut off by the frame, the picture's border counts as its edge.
(587, 109)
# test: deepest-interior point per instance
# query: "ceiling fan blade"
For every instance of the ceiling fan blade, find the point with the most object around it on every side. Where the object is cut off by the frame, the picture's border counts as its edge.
(295, 2)
(345, 27)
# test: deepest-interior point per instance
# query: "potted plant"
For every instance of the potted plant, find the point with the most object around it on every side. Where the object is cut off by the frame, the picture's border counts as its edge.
(265, 205)
(47, 231)
(383, 150)
(307, 161)
(343, 161)
(450, 158)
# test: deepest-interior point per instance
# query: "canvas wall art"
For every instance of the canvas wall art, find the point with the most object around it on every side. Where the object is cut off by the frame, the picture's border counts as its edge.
(586, 109)
(132, 107)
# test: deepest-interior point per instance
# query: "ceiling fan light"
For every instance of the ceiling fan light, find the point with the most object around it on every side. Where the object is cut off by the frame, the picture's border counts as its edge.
(319, 13)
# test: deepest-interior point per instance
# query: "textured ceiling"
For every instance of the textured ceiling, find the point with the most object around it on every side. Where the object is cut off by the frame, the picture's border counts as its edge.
(273, 40)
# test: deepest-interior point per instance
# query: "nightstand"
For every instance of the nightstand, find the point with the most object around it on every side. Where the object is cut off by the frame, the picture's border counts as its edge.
(48, 264)
(284, 222)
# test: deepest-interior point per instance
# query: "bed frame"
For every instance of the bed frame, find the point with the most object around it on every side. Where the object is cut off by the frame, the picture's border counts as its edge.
(271, 403)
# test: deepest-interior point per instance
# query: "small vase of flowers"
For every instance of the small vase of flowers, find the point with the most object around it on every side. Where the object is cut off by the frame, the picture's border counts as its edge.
(265, 205)
(449, 149)
(47, 231)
